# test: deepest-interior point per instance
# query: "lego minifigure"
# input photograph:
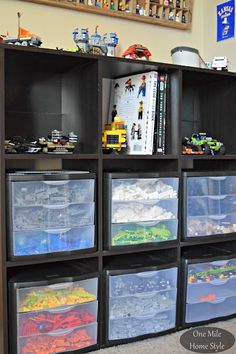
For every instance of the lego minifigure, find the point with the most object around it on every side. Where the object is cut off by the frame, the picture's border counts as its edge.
(139, 132)
(142, 11)
(166, 2)
(150, 12)
(183, 18)
(120, 6)
(178, 4)
(112, 5)
(97, 3)
(137, 9)
(127, 9)
(163, 15)
(184, 4)
(133, 131)
(90, 2)
(105, 4)
(171, 16)
(142, 87)
(171, 4)
(177, 17)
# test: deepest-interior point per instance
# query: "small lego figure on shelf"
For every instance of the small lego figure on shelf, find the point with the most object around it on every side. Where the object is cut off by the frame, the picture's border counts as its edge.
(163, 15)
(166, 2)
(184, 4)
(142, 11)
(112, 5)
(137, 9)
(150, 12)
(177, 17)
(97, 3)
(90, 2)
(171, 4)
(183, 18)
(105, 4)
(120, 6)
(178, 4)
(127, 9)
(171, 16)
(140, 110)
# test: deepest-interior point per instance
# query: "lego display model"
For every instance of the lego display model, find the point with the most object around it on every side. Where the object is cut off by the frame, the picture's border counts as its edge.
(56, 143)
(220, 63)
(114, 137)
(200, 143)
(24, 37)
(213, 273)
(96, 44)
(137, 51)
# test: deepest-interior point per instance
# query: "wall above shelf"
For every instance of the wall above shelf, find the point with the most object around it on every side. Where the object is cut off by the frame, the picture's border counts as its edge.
(170, 13)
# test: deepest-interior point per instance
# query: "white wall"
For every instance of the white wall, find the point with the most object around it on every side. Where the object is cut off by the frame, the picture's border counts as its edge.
(55, 26)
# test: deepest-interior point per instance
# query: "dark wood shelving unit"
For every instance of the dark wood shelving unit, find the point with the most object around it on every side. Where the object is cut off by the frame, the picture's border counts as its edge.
(37, 82)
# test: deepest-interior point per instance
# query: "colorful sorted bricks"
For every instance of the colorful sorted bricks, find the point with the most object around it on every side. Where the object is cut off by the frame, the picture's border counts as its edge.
(48, 298)
(46, 344)
(44, 322)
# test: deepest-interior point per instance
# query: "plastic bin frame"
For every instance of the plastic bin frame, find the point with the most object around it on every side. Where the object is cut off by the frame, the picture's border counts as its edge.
(13, 286)
(183, 288)
(44, 176)
(133, 270)
(107, 208)
(205, 238)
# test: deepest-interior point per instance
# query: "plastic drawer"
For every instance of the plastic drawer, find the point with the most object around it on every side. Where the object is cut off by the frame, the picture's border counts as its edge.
(144, 188)
(228, 204)
(141, 304)
(141, 325)
(43, 217)
(143, 282)
(54, 342)
(211, 225)
(56, 320)
(208, 310)
(204, 206)
(217, 272)
(228, 185)
(144, 232)
(201, 186)
(33, 193)
(37, 298)
(27, 243)
(210, 291)
(123, 212)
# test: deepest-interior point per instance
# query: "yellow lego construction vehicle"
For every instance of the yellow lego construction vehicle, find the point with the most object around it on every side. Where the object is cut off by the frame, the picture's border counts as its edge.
(114, 136)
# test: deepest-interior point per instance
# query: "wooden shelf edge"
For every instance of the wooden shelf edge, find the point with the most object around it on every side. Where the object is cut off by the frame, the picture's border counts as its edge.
(112, 13)
(51, 156)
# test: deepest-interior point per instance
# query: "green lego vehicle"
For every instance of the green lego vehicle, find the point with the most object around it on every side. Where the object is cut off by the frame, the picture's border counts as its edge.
(207, 144)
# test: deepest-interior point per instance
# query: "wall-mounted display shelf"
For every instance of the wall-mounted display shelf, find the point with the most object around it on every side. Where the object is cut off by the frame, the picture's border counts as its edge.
(169, 13)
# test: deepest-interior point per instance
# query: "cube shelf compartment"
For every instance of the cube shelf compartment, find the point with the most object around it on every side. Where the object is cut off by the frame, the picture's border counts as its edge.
(50, 213)
(140, 209)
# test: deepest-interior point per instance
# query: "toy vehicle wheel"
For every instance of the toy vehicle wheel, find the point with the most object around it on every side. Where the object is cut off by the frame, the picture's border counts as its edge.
(17, 43)
(24, 43)
(207, 149)
(221, 151)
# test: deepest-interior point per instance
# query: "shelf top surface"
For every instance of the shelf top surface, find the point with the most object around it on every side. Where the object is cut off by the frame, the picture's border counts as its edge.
(153, 64)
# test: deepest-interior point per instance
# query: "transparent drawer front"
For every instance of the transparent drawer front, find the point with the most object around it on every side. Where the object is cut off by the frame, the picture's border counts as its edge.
(201, 186)
(228, 205)
(228, 185)
(54, 296)
(141, 325)
(211, 291)
(144, 188)
(144, 211)
(203, 206)
(217, 272)
(141, 304)
(212, 225)
(65, 341)
(67, 215)
(29, 324)
(143, 282)
(136, 233)
(33, 193)
(208, 310)
(58, 240)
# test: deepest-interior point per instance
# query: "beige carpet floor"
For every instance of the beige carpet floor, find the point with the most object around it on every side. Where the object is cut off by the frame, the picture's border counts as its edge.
(168, 344)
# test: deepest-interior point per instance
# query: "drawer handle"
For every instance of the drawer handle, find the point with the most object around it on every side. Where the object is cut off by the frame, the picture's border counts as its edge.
(59, 206)
(56, 183)
(57, 231)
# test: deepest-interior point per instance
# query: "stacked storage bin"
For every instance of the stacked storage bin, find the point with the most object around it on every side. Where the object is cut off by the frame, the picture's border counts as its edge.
(50, 212)
(53, 313)
(140, 209)
(142, 300)
(210, 290)
(209, 204)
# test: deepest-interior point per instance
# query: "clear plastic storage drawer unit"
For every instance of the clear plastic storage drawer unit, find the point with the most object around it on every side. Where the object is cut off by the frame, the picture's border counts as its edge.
(209, 204)
(54, 311)
(141, 302)
(50, 212)
(140, 209)
(210, 289)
